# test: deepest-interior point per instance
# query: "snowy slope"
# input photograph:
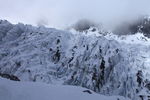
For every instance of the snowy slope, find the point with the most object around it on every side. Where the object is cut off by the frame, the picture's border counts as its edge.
(11, 90)
(104, 63)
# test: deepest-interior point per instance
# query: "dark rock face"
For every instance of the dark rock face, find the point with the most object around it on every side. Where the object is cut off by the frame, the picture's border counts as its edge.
(87, 91)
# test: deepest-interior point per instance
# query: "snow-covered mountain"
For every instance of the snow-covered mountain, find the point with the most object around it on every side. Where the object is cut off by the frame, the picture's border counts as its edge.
(100, 61)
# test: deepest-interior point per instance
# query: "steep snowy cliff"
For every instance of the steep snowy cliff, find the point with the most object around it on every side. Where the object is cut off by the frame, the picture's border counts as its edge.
(105, 63)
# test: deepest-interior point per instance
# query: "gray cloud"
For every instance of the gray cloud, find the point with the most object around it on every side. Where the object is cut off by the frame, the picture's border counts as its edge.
(62, 13)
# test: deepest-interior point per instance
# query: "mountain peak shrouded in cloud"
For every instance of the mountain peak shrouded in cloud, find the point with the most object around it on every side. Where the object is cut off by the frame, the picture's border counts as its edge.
(139, 25)
(61, 14)
(85, 24)
(42, 22)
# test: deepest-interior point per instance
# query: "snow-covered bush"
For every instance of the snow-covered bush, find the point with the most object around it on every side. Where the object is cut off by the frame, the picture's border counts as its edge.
(5, 26)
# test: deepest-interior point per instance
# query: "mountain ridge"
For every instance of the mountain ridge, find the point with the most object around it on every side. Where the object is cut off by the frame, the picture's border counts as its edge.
(97, 62)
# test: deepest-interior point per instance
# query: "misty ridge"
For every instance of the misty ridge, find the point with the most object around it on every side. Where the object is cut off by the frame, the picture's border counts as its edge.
(65, 13)
(139, 25)
(60, 14)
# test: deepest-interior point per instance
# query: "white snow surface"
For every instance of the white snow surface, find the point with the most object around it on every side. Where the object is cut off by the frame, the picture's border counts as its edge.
(12, 90)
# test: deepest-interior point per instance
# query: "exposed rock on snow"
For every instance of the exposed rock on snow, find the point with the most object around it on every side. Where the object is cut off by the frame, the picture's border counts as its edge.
(11, 77)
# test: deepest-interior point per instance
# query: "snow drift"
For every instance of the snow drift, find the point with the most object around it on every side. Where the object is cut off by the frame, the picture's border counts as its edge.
(10, 90)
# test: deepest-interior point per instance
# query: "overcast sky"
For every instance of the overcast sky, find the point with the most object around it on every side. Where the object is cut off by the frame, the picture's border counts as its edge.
(62, 13)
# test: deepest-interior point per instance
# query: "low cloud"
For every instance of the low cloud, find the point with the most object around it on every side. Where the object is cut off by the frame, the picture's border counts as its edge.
(63, 13)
